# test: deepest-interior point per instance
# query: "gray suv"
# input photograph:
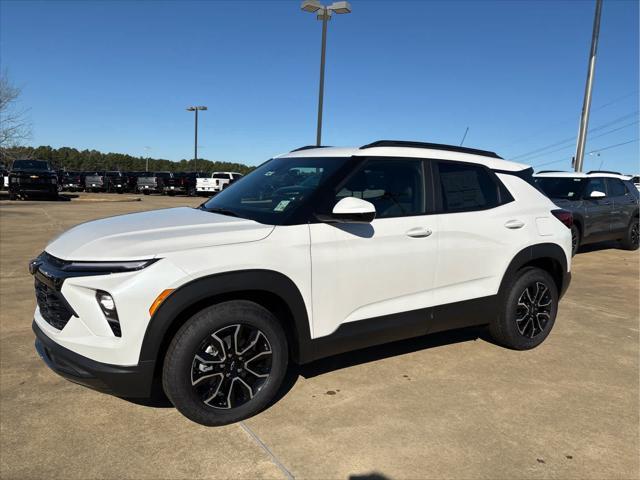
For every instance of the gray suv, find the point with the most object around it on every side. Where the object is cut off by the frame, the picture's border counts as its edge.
(604, 205)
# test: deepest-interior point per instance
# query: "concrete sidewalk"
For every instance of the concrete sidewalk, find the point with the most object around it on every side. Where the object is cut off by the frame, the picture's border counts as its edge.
(447, 406)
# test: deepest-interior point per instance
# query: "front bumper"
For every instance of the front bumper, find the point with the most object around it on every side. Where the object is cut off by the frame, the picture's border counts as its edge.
(129, 382)
(34, 188)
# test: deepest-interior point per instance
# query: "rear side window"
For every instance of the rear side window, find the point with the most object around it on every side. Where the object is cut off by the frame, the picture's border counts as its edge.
(466, 187)
(616, 188)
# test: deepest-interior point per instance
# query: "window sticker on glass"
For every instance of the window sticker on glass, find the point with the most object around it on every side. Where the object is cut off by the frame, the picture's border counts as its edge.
(269, 173)
(282, 205)
(570, 194)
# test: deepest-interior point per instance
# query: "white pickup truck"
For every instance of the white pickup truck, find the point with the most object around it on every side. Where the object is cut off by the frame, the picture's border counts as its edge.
(217, 182)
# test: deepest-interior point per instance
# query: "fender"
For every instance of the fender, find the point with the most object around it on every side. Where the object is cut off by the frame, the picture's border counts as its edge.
(540, 251)
(199, 290)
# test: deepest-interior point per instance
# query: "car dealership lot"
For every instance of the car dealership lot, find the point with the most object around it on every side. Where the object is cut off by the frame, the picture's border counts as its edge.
(447, 406)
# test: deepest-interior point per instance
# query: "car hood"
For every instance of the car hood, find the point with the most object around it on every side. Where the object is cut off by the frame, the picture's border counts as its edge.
(149, 234)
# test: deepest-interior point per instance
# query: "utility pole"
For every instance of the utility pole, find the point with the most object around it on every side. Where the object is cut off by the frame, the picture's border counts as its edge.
(578, 160)
(195, 145)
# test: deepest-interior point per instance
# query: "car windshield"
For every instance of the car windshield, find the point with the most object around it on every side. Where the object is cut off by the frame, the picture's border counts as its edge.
(272, 192)
(567, 188)
(30, 165)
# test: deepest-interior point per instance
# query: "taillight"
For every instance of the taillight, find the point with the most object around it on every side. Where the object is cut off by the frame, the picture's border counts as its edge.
(564, 216)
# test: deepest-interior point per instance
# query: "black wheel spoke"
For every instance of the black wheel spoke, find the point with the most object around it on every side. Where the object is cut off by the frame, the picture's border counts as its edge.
(533, 310)
(231, 365)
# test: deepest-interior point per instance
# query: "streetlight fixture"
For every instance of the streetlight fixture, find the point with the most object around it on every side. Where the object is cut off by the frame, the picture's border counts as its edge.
(195, 145)
(323, 13)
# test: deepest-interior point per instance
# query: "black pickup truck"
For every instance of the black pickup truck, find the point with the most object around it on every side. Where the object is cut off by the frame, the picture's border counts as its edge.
(183, 183)
(72, 181)
(110, 181)
(32, 178)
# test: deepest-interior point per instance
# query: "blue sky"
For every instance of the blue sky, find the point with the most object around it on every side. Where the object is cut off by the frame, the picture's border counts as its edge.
(117, 76)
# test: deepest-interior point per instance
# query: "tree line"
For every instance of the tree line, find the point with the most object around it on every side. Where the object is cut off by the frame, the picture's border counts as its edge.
(72, 159)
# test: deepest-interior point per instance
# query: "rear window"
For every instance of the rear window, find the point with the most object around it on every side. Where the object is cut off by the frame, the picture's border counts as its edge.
(566, 188)
(225, 176)
(466, 187)
(615, 187)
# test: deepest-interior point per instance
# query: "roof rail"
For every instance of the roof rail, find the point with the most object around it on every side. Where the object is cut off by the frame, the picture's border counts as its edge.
(309, 147)
(603, 171)
(432, 146)
(551, 171)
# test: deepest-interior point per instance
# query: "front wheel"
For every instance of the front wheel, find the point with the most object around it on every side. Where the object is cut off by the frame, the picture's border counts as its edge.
(528, 310)
(226, 363)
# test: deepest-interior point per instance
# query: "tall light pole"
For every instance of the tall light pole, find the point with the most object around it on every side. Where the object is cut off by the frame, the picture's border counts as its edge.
(323, 13)
(195, 145)
(586, 105)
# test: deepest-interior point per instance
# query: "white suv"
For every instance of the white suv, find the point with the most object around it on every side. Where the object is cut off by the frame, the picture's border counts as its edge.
(316, 252)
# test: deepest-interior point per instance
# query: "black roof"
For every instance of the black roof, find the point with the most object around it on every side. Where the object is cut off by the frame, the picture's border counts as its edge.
(603, 171)
(431, 146)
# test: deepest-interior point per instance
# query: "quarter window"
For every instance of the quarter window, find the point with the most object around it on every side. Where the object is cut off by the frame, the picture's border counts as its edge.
(466, 187)
(394, 186)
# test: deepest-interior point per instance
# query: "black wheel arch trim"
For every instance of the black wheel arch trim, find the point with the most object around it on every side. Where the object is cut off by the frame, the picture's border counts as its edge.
(540, 251)
(218, 285)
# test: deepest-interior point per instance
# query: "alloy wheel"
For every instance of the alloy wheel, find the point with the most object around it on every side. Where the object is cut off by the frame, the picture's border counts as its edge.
(574, 240)
(533, 311)
(635, 233)
(231, 366)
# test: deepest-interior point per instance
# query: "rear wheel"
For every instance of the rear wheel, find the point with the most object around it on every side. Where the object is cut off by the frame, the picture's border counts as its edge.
(632, 237)
(226, 363)
(528, 310)
(575, 239)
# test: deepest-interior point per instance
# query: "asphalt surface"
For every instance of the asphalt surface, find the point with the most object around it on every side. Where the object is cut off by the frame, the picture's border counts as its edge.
(447, 406)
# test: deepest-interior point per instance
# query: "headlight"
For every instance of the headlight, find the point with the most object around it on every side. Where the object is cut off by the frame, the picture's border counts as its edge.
(108, 267)
(15, 180)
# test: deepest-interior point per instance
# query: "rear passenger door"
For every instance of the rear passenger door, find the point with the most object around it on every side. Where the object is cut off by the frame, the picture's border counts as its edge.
(623, 204)
(598, 211)
(479, 230)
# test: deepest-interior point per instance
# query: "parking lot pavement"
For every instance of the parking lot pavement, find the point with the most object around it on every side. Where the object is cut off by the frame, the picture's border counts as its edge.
(446, 406)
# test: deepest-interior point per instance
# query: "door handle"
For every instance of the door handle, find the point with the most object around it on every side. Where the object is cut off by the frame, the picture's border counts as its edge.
(514, 224)
(419, 232)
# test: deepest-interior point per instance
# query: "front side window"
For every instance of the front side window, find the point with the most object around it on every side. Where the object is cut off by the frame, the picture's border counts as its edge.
(275, 190)
(394, 186)
(466, 187)
(595, 185)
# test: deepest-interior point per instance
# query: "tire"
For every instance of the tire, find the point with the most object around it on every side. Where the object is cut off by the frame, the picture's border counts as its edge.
(631, 238)
(145, 192)
(525, 322)
(191, 192)
(13, 196)
(239, 390)
(575, 239)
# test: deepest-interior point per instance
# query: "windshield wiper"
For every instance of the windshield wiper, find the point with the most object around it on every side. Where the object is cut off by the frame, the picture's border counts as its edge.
(221, 211)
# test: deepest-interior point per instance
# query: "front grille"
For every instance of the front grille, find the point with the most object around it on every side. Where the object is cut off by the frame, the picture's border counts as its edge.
(52, 307)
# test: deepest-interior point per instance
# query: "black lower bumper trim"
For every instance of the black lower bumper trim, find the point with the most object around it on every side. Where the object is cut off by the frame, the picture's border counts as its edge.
(128, 382)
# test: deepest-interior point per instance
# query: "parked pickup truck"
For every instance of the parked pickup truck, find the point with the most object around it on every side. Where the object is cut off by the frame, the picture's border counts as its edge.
(29, 178)
(112, 181)
(182, 182)
(73, 181)
(153, 182)
(217, 182)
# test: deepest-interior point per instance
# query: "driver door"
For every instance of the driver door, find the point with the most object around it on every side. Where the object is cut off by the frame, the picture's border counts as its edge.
(361, 272)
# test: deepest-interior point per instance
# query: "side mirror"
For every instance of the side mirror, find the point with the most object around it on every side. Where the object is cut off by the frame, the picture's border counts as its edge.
(597, 194)
(351, 210)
